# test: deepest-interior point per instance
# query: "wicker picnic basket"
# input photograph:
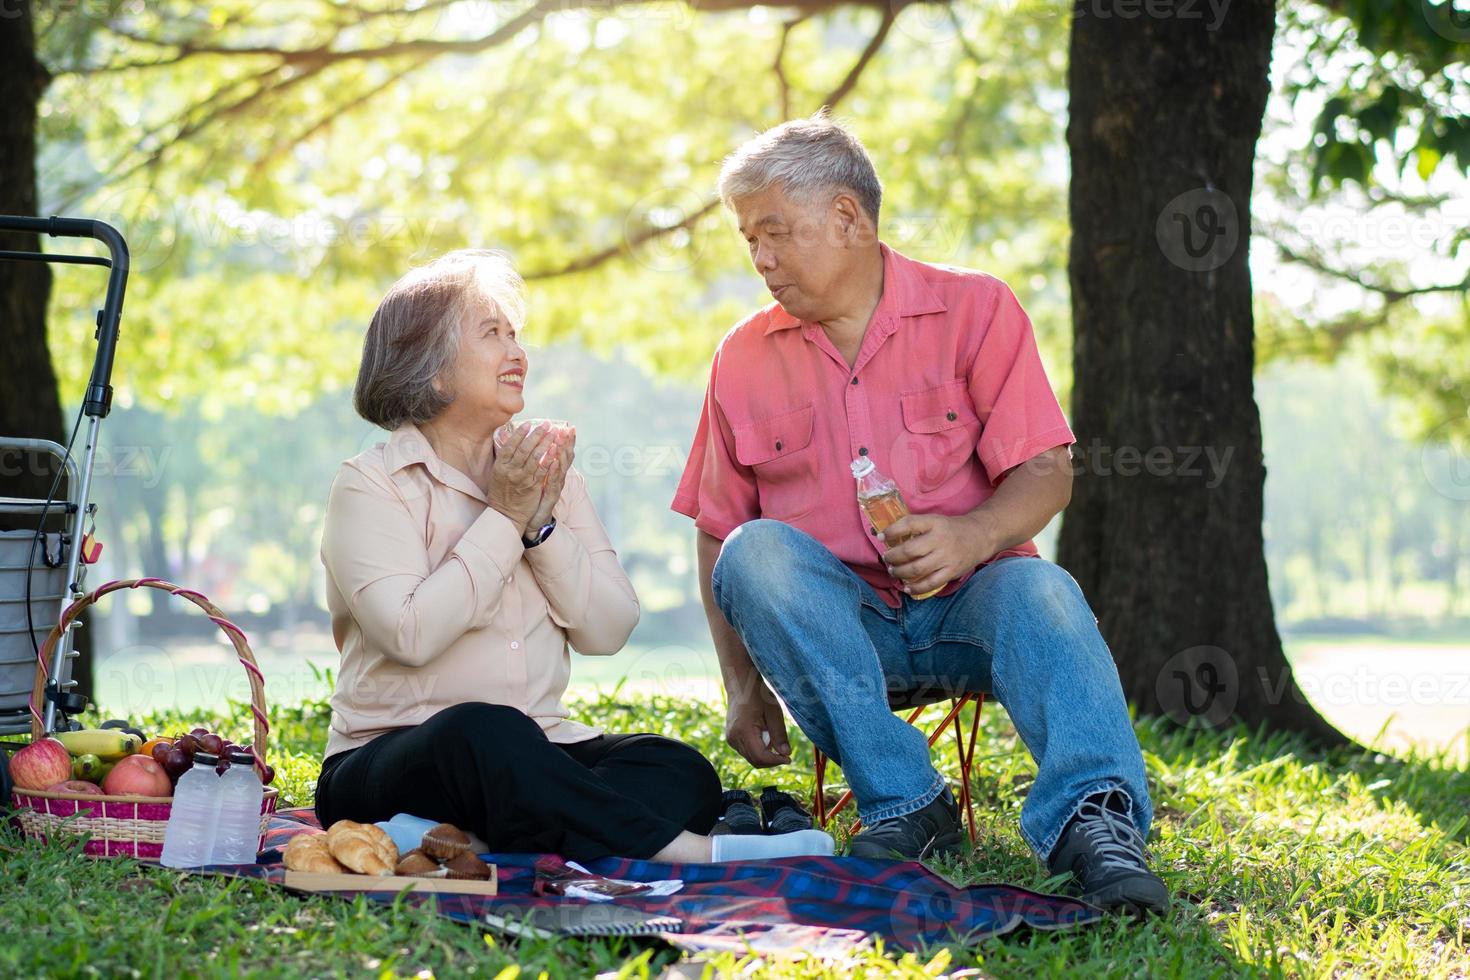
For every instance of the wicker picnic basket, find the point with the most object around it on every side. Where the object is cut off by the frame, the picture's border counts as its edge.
(131, 826)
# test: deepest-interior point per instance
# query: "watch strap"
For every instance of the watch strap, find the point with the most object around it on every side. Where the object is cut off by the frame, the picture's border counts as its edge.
(544, 532)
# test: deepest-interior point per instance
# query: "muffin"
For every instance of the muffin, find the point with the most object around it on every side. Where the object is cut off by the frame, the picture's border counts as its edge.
(468, 867)
(445, 841)
(417, 864)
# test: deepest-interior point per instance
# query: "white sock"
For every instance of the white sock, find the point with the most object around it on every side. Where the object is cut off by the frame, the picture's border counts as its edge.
(756, 847)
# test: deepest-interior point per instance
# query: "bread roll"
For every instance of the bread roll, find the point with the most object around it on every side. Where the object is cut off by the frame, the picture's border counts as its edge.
(362, 847)
(309, 852)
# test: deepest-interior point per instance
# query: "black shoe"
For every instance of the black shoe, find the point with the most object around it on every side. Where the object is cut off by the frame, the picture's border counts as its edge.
(1105, 854)
(738, 814)
(914, 836)
(782, 813)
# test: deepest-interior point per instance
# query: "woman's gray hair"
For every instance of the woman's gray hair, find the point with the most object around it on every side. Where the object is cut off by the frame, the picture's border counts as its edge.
(806, 157)
(414, 336)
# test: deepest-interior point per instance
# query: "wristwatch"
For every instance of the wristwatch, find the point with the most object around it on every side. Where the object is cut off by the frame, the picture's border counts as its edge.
(532, 540)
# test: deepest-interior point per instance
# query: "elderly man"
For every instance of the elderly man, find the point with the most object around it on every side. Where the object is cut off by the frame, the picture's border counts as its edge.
(933, 373)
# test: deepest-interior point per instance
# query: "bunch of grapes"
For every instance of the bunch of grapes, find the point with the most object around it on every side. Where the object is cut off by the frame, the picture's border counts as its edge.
(177, 757)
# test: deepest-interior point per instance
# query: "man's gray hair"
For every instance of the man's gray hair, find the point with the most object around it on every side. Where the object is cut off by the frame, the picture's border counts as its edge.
(414, 336)
(805, 157)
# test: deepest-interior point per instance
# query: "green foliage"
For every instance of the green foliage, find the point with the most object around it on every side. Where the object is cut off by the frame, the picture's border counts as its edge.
(1394, 77)
(1369, 206)
(1283, 863)
(272, 197)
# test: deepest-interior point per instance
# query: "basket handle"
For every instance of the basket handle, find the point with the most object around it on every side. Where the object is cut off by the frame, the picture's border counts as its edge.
(236, 635)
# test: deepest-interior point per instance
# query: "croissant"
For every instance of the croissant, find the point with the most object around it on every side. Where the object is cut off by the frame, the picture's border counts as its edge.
(363, 847)
(309, 852)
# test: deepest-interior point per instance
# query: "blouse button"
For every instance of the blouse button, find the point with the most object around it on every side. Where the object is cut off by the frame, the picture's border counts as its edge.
(778, 445)
(951, 416)
(514, 645)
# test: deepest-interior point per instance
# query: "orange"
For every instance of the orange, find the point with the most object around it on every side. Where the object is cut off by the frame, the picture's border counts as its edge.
(147, 747)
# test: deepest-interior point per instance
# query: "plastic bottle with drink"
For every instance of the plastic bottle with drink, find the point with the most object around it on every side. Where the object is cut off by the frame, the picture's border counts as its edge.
(880, 499)
(238, 839)
(188, 838)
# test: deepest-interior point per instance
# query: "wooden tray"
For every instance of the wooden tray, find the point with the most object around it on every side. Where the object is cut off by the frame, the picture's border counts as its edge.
(327, 881)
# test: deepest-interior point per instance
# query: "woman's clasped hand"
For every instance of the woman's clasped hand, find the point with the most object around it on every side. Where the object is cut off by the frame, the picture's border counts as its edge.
(529, 472)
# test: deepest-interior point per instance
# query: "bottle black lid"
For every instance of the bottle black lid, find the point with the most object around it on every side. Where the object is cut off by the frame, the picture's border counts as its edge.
(206, 759)
(242, 756)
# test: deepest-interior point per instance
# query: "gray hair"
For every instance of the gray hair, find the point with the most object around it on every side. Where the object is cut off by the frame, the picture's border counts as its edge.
(806, 157)
(414, 336)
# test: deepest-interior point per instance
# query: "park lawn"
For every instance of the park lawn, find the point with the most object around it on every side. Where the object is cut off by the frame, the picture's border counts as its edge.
(1283, 861)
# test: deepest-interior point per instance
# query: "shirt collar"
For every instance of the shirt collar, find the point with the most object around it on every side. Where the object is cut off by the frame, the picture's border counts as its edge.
(407, 445)
(905, 293)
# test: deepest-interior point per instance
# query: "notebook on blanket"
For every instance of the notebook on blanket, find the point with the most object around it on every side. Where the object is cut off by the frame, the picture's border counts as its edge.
(591, 919)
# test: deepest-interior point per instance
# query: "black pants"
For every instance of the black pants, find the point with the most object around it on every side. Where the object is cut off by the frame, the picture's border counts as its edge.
(489, 769)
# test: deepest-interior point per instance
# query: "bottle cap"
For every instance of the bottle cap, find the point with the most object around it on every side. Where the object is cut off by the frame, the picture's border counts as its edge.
(205, 759)
(242, 757)
(862, 466)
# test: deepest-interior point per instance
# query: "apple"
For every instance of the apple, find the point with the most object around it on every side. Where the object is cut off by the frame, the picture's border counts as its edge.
(137, 775)
(43, 763)
(75, 786)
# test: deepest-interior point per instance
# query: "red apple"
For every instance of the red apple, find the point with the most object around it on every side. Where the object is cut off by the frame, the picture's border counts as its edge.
(137, 775)
(75, 786)
(42, 763)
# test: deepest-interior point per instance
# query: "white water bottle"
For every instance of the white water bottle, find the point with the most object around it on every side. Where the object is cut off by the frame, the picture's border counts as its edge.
(237, 840)
(189, 836)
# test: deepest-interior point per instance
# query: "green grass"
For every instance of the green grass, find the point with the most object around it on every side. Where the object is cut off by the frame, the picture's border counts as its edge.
(1284, 862)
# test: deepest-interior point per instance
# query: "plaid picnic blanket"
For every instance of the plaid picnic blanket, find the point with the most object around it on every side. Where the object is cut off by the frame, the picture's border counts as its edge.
(794, 902)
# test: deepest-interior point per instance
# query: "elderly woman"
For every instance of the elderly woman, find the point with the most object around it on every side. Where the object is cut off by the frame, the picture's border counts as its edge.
(458, 574)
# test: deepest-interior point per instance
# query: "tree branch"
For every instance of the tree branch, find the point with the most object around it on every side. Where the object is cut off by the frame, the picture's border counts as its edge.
(333, 114)
(890, 14)
(1390, 294)
(629, 243)
(780, 67)
(324, 54)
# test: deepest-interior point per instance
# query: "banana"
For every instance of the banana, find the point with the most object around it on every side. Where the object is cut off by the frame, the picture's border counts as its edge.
(109, 745)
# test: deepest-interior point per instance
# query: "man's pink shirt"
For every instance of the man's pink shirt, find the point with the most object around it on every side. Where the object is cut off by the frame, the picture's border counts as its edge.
(947, 394)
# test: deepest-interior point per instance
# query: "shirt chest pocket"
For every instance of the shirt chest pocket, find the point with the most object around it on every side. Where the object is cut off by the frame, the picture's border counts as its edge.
(780, 451)
(940, 433)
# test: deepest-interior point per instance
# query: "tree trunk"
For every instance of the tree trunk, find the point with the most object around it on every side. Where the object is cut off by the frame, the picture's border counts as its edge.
(1164, 538)
(30, 406)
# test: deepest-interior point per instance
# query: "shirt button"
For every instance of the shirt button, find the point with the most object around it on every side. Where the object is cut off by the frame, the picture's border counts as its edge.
(951, 416)
(862, 450)
(854, 380)
(778, 445)
(514, 645)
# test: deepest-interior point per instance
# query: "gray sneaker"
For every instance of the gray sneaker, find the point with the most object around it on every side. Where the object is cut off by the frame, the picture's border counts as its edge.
(925, 833)
(1105, 854)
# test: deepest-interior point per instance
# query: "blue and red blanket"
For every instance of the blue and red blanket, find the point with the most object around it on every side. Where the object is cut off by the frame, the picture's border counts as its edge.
(788, 902)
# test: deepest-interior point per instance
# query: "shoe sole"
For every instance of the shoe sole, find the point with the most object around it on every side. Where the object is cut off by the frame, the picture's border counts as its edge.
(1138, 897)
(943, 845)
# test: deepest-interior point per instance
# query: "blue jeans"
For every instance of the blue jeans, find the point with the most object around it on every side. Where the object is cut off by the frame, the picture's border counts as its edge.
(1019, 630)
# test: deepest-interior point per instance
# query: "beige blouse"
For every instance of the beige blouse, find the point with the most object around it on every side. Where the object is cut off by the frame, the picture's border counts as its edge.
(435, 601)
